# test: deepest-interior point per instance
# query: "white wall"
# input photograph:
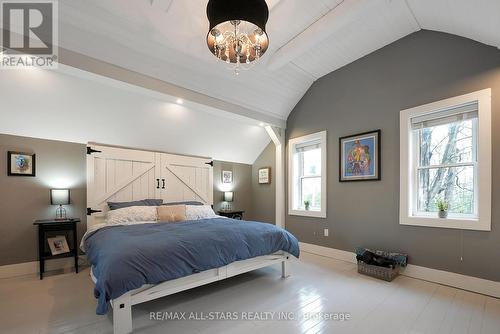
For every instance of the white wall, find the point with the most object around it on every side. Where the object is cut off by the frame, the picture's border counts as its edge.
(78, 107)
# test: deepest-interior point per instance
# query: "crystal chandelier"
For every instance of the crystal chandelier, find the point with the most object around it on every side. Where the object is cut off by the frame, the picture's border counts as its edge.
(237, 33)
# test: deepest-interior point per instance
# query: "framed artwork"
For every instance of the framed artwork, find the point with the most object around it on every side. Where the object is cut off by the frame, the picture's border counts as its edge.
(58, 245)
(360, 157)
(265, 175)
(20, 164)
(227, 176)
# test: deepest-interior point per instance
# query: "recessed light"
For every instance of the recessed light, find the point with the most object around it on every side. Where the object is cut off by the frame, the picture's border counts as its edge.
(261, 124)
(180, 101)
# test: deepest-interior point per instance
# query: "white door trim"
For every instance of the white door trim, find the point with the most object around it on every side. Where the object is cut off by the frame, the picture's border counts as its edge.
(277, 135)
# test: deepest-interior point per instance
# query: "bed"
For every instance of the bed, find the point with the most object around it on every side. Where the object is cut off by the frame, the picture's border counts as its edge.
(135, 263)
(137, 260)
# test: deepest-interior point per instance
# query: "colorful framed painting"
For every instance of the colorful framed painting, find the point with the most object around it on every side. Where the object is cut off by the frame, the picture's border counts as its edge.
(20, 164)
(360, 157)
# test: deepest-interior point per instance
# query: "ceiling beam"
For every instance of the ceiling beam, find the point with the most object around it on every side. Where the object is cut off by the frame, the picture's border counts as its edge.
(343, 14)
(163, 5)
(95, 66)
(101, 68)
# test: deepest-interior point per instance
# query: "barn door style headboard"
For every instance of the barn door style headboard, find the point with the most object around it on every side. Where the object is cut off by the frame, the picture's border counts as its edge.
(120, 175)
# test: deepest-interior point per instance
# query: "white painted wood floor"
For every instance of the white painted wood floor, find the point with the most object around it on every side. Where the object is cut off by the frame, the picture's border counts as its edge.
(64, 304)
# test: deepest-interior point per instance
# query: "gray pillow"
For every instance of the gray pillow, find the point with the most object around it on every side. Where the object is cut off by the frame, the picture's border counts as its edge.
(185, 203)
(144, 202)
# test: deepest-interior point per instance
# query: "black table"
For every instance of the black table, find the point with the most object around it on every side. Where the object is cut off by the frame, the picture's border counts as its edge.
(234, 214)
(51, 227)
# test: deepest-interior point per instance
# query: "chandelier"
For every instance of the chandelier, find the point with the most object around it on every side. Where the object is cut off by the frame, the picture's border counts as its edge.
(237, 33)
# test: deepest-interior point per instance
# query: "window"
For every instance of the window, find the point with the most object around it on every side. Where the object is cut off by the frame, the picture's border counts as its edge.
(307, 179)
(446, 156)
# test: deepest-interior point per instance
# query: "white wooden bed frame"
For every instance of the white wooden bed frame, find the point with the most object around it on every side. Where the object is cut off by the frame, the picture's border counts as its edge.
(119, 174)
(122, 306)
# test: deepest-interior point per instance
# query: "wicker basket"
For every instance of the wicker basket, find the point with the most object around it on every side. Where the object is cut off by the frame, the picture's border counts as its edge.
(387, 274)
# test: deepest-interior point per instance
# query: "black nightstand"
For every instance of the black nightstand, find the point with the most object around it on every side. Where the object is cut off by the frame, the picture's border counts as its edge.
(231, 214)
(50, 228)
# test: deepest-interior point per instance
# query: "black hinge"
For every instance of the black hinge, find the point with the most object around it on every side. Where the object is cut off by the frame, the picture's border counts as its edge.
(211, 163)
(90, 211)
(90, 150)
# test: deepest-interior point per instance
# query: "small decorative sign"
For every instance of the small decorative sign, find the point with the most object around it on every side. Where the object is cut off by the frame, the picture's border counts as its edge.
(20, 164)
(227, 176)
(265, 175)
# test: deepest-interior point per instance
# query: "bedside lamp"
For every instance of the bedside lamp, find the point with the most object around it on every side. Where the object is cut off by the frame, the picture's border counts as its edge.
(60, 197)
(228, 197)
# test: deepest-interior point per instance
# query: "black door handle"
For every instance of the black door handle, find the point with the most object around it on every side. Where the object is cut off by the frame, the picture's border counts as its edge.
(163, 180)
(157, 183)
(90, 211)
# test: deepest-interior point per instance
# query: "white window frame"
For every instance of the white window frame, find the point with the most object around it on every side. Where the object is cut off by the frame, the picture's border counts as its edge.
(408, 187)
(292, 177)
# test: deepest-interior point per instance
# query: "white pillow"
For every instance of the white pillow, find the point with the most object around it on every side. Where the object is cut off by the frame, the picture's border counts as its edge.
(195, 212)
(131, 215)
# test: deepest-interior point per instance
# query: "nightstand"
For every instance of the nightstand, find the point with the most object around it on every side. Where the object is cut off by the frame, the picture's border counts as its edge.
(48, 228)
(234, 214)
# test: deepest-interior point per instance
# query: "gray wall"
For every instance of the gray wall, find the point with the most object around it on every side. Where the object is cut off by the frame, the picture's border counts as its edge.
(24, 199)
(241, 186)
(369, 94)
(264, 195)
(62, 164)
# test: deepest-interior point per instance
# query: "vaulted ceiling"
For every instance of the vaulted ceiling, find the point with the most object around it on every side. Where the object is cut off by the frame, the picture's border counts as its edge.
(165, 39)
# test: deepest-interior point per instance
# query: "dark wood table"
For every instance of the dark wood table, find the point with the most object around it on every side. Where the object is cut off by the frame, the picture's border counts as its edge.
(51, 227)
(234, 214)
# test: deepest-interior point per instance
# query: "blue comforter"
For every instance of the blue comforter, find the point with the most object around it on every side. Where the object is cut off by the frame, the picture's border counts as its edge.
(125, 258)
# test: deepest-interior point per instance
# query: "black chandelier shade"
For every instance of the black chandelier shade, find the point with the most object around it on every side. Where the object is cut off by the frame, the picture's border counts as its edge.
(254, 11)
(237, 32)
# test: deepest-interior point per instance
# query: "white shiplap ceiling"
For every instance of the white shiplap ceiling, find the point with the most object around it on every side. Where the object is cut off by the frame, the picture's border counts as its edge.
(165, 39)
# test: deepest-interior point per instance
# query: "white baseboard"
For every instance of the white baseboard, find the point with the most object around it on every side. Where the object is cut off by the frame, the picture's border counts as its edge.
(333, 253)
(469, 283)
(32, 268)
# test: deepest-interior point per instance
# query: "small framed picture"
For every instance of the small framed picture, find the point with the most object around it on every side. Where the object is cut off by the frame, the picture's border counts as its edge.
(20, 164)
(58, 245)
(265, 175)
(360, 157)
(227, 176)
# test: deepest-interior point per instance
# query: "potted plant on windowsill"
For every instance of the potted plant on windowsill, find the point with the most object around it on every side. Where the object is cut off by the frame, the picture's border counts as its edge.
(307, 205)
(443, 207)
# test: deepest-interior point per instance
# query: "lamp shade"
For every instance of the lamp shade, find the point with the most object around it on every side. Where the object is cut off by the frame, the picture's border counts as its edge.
(59, 196)
(228, 196)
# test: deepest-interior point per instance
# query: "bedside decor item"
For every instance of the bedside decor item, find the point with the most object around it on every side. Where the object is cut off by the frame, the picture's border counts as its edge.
(227, 176)
(20, 164)
(228, 198)
(237, 31)
(60, 197)
(58, 245)
(54, 229)
(443, 207)
(265, 175)
(360, 157)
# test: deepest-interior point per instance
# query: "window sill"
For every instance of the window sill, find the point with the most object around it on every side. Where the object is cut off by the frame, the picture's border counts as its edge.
(453, 223)
(307, 213)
